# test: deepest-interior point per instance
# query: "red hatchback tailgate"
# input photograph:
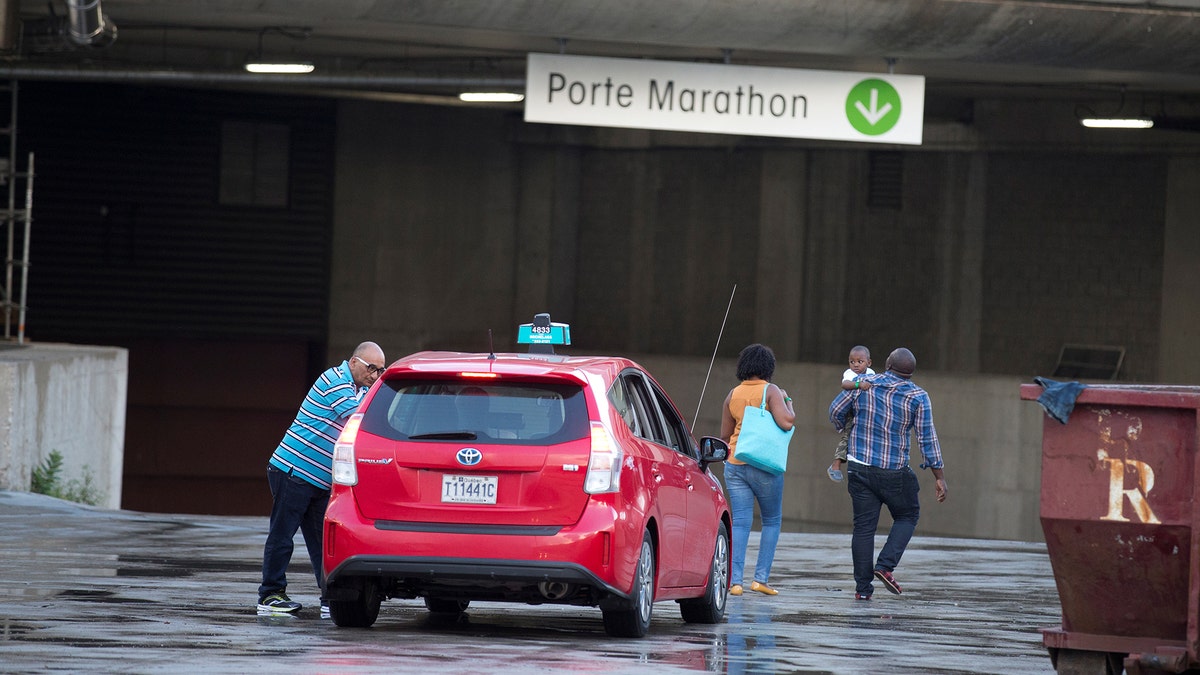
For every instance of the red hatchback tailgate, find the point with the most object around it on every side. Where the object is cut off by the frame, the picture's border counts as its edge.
(504, 452)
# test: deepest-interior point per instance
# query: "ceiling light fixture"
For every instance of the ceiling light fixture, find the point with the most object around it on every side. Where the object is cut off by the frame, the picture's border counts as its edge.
(1119, 119)
(491, 97)
(280, 68)
(258, 64)
(1117, 122)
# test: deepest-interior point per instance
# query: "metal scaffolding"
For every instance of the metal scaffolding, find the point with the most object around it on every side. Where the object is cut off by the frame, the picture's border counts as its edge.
(15, 291)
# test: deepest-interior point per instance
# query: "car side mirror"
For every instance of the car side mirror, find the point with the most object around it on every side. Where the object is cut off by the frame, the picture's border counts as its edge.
(712, 449)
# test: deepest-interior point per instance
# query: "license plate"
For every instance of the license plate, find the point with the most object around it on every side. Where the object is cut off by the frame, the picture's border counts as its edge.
(469, 489)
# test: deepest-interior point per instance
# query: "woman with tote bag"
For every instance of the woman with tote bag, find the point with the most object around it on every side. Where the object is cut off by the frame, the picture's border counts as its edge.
(744, 482)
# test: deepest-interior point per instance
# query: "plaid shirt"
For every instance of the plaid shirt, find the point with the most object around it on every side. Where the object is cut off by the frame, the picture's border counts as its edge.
(886, 415)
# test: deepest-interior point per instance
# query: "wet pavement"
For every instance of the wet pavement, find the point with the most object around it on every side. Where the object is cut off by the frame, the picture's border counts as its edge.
(86, 589)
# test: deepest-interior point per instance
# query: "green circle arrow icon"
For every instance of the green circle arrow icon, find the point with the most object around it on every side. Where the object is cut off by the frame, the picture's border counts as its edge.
(873, 107)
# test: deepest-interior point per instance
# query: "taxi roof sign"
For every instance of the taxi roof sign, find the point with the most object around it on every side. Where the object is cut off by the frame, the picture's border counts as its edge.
(548, 334)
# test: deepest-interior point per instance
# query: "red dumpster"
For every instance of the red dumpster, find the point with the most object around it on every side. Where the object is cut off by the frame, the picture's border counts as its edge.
(1121, 517)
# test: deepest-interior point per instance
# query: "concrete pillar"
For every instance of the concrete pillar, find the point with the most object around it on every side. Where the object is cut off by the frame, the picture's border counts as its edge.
(642, 252)
(960, 227)
(68, 399)
(782, 229)
(831, 203)
(547, 228)
(1179, 328)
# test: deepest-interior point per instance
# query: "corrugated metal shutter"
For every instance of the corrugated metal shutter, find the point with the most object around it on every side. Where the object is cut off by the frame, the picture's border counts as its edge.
(130, 238)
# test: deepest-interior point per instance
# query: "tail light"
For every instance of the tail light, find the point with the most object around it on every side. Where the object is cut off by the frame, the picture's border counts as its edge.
(344, 470)
(604, 464)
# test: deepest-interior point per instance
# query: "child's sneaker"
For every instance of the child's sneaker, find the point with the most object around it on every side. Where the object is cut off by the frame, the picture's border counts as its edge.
(834, 475)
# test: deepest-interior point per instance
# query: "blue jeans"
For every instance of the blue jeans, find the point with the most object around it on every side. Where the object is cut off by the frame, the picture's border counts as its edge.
(870, 489)
(298, 505)
(744, 484)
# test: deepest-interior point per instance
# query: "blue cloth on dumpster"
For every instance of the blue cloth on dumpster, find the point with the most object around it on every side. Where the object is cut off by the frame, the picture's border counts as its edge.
(1058, 399)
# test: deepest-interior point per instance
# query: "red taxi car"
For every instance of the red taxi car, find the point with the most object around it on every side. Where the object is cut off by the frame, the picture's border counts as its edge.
(533, 478)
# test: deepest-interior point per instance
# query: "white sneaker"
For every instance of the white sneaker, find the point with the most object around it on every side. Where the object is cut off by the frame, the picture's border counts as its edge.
(324, 611)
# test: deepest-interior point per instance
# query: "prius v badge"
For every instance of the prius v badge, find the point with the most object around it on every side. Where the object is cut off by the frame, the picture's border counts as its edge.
(469, 456)
(369, 460)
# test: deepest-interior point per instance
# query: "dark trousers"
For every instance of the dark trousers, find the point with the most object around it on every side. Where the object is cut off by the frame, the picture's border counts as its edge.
(870, 489)
(298, 505)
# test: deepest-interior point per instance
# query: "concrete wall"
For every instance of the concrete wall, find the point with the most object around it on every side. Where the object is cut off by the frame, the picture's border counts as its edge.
(1179, 331)
(69, 399)
(991, 444)
(1012, 230)
(998, 250)
(1075, 255)
(424, 245)
(1008, 236)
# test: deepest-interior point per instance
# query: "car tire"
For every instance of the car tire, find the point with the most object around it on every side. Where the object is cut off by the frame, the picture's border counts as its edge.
(445, 606)
(363, 610)
(632, 617)
(710, 607)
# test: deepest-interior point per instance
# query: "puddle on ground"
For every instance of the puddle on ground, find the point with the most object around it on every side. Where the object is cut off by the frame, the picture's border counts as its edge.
(11, 630)
(140, 566)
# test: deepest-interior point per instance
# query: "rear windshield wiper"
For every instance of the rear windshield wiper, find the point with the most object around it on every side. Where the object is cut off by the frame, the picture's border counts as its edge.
(445, 436)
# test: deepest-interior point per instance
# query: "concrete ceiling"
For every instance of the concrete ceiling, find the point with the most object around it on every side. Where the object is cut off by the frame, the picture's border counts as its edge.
(433, 48)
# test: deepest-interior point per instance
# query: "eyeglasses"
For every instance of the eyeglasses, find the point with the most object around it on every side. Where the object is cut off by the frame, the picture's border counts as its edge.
(371, 368)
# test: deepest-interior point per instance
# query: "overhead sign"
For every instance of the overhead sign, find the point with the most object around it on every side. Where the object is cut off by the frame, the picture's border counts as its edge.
(724, 99)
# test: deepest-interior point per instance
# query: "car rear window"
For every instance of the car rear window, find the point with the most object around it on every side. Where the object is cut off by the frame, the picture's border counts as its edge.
(495, 412)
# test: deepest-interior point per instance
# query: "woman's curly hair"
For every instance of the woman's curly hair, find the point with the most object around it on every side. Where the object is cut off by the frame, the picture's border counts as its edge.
(756, 360)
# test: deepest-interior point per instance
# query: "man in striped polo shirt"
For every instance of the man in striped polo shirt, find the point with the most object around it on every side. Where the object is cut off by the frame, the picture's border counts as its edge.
(889, 409)
(299, 473)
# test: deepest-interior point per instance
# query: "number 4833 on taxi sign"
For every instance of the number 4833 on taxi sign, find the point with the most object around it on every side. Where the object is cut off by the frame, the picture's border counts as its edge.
(548, 334)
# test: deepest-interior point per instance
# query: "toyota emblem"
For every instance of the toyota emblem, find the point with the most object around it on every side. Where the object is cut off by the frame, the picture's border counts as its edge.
(469, 456)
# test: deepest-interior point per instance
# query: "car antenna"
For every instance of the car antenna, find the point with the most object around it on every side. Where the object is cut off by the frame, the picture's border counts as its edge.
(714, 358)
(491, 347)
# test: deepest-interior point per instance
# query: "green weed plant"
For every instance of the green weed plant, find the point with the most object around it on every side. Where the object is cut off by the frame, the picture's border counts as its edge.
(47, 479)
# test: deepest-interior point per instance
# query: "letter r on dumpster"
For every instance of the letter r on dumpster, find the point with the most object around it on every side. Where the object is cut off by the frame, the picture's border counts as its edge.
(1117, 494)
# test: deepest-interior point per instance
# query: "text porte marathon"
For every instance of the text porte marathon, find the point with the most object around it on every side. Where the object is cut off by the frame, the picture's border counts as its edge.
(665, 96)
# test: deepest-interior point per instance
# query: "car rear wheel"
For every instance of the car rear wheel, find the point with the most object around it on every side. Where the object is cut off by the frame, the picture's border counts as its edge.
(632, 617)
(444, 606)
(363, 610)
(711, 606)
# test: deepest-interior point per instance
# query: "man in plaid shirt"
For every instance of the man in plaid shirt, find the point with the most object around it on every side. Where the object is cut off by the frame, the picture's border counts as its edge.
(889, 409)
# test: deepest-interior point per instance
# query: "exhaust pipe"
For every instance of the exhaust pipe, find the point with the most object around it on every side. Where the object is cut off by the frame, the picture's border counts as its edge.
(555, 590)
